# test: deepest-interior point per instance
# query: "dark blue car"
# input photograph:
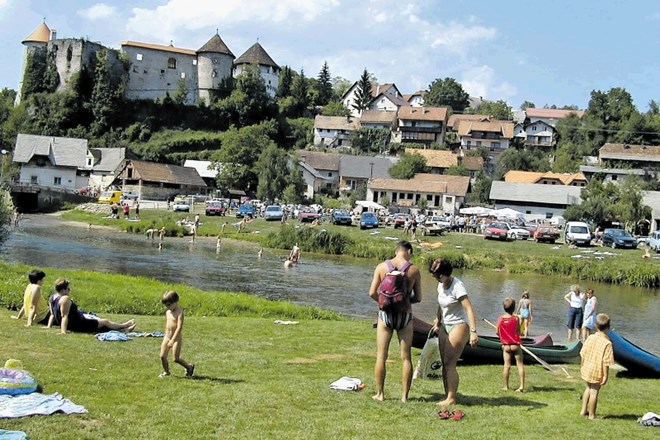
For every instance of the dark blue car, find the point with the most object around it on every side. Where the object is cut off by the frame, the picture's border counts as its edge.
(341, 217)
(618, 238)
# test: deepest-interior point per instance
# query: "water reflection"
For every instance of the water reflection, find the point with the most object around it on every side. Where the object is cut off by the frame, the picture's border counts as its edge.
(330, 282)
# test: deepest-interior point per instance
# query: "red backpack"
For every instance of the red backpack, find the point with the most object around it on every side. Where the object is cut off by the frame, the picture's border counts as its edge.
(393, 290)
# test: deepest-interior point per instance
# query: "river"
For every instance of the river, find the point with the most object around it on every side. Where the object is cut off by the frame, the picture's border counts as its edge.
(331, 282)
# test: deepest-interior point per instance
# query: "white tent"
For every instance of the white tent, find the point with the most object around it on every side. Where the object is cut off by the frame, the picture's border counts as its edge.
(476, 210)
(507, 213)
(369, 205)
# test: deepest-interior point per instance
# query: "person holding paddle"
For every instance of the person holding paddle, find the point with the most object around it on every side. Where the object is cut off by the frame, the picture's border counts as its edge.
(455, 324)
(508, 329)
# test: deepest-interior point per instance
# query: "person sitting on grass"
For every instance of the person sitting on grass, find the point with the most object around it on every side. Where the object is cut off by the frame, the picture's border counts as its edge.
(65, 313)
(173, 334)
(35, 306)
(597, 357)
(508, 329)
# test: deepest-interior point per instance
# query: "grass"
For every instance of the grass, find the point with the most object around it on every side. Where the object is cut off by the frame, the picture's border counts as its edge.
(255, 379)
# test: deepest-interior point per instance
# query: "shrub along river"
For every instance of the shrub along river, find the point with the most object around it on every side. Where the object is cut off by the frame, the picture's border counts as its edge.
(330, 282)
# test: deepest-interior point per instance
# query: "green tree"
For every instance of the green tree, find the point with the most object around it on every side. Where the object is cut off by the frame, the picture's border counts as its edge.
(369, 140)
(295, 189)
(298, 132)
(181, 93)
(409, 165)
(339, 86)
(447, 92)
(457, 170)
(335, 108)
(521, 160)
(630, 204)
(498, 109)
(568, 158)
(527, 104)
(300, 95)
(481, 188)
(363, 95)
(250, 102)
(285, 82)
(324, 86)
(106, 96)
(40, 74)
(597, 203)
(273, 171)
(611, 108)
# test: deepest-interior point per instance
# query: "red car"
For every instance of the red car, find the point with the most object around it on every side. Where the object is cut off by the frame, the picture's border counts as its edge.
(400, 220)
(498, 230)
(215, 208)
(546, 234)
(307, 215)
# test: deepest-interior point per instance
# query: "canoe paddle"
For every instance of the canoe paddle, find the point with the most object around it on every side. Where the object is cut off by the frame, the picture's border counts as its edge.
(546, 365)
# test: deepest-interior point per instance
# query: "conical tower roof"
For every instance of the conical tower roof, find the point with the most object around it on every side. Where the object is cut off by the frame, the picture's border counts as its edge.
(215, 44)
(256, 55)
(40, 35)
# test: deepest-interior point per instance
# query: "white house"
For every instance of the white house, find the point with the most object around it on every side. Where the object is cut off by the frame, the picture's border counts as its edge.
(493, 135)
(334, 131)
(533, 199)
(52, 162)
(550, 116)
(539, 134)
(349, 98)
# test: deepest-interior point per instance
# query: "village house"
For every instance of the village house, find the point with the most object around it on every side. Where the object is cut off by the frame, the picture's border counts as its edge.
(320, 172)
(617, 161)
(424, 125)
(541, 201)
(378, 119)
(106, 164)
(159, 181)
(356, 171)
(334, 131)
(549, 116)
(415, 99)
(349, 98)
(205, 169)
(493, 135)
(547, 178)
(443, 194)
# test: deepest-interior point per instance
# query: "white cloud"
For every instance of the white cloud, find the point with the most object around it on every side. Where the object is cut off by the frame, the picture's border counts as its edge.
(457, 37)
(99, 11)
(164, 20)
(481, 81)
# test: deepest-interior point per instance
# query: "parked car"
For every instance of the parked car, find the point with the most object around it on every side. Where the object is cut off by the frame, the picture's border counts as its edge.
(368, 220)
(307, 214)
(546, 234)
(435, 225)
(181, 206)
(497, 230)
(130, 195)
(273, 212)
(400, 220)
(516, 232)
(653, 241)
(245, 209)
(86, 191)
(215, 208)
(341, 217)
(618, 238)
(110, 197)
(577, 233)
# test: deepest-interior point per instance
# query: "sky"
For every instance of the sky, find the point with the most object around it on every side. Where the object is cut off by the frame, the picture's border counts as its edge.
(554, 52)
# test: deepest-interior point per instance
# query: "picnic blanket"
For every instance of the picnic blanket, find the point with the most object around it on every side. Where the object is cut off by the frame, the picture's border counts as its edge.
(346, 383)
(145, 334)
(112, 335)
(12, 435)
(37, 404)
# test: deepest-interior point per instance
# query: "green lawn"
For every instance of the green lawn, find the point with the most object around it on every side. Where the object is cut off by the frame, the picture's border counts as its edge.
(256, 379)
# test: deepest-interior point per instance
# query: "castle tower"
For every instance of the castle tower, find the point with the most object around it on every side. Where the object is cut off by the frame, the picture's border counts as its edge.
(214, 64)
(38, 39)
(269, 70)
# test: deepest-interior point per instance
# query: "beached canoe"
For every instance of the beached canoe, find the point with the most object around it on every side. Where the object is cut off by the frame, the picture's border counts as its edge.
(489, 349)
(636, 360)
(421, 331)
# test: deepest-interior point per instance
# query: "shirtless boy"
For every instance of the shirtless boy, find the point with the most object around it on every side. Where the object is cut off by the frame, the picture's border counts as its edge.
(173, 334)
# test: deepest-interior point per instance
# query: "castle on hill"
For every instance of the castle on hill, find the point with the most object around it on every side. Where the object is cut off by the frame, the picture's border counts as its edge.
(154, 70)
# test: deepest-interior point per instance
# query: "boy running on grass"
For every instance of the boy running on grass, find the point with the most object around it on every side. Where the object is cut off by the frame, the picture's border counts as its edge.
(508, 329)
(597, 356)
(173, 334)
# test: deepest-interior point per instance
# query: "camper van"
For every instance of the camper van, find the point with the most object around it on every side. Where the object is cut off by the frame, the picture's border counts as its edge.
(577, 233)
(110, 197)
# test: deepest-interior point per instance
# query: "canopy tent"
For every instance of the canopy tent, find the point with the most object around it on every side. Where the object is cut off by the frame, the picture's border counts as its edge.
(476, 210)
(507, 213)
(369, 205)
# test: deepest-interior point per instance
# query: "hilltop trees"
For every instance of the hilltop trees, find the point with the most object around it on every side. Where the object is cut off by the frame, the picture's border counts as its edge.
(447, 92)
(363, 93)
(324, 86)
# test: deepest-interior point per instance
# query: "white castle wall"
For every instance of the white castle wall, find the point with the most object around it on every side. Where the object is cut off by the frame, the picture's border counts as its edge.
(212, 68)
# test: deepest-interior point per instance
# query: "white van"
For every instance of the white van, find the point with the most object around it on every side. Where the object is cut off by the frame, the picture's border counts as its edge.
(577, 233)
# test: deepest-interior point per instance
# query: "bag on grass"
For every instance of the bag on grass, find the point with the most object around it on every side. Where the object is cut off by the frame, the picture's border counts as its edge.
(429, 365)
(393, 289)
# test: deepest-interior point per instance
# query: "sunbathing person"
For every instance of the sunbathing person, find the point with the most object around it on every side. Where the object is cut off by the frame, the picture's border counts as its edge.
(65, 313)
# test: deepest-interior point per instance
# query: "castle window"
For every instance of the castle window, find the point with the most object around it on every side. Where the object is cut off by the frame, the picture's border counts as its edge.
(194, 62)
(69, 54)
(214, 73)
(183, 75)
(171, 63)
(138, 57)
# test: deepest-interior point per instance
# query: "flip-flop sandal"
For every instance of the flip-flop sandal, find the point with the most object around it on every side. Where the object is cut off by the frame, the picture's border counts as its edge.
(444, 413)
(457, 414)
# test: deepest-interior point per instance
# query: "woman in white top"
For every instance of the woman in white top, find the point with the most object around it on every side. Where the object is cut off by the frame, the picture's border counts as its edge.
(589, 314)
(576, 301)
(454, 324)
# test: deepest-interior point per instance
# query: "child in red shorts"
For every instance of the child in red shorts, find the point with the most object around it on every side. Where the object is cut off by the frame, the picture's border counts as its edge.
(508, 329)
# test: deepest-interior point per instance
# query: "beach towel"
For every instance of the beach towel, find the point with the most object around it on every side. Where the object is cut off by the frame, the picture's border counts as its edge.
(112, 335)
(12, 435)
(145, 334)
(346, 383)
(37, 404)
(279, 321)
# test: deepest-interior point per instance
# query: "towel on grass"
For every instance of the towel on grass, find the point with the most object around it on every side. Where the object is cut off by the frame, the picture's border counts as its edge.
(12, 435)
(346, 383)
(112, 335)
(145, 334)
(36, 404)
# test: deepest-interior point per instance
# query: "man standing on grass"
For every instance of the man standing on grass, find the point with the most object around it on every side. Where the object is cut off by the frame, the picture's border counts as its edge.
(398, 318)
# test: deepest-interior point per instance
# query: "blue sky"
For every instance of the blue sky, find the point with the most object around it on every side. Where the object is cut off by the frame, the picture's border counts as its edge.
(549, 52)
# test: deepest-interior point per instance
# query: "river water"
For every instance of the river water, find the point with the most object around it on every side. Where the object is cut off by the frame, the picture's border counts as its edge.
(330, 282)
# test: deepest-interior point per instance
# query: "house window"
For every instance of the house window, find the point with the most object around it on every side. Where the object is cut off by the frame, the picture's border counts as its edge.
(329, 174)
(614, 177)
(138, 56)
(57, 181)
(468, 144)
(194, 62)
(495, 145)
(171, 63)
(34, 180)
(478, 143)
(89, 161)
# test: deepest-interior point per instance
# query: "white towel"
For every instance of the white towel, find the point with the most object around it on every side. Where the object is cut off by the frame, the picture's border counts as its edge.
(346, 383)
(36, 404)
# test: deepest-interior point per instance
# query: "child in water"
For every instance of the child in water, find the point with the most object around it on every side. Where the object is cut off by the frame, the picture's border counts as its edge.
(173, 334)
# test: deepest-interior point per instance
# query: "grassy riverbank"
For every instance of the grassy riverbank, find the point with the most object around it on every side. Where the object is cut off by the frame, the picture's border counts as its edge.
(256, 379)
(468, 251)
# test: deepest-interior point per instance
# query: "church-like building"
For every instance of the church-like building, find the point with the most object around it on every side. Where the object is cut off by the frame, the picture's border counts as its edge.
(154, 70)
